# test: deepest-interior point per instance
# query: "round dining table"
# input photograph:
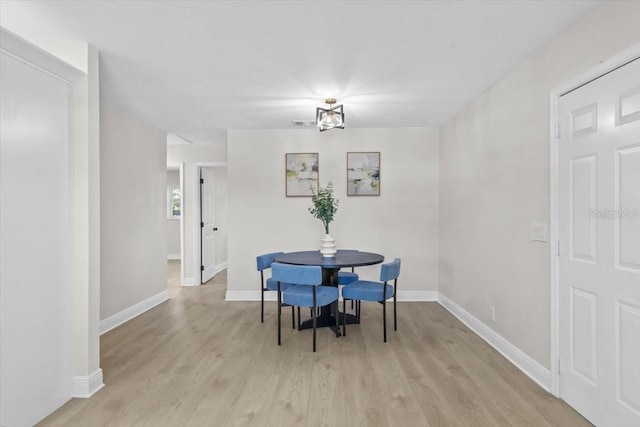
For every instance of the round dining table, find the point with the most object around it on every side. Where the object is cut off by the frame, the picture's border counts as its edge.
(330, 267)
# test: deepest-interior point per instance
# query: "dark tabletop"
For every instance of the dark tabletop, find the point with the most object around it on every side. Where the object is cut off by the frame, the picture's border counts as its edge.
(341, 259)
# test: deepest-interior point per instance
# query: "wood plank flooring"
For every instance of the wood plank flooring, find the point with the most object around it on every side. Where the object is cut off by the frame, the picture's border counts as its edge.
(197, 360)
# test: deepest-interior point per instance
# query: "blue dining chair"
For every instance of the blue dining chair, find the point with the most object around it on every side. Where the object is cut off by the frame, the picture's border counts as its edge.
(305, 291)
(264, 263)
(347, 277)
(364, 290)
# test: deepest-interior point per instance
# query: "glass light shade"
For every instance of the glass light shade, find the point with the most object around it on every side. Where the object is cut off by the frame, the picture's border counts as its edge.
(331, 118)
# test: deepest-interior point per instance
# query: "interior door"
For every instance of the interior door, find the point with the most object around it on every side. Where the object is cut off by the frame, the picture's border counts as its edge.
(207, 224)
(599, 231)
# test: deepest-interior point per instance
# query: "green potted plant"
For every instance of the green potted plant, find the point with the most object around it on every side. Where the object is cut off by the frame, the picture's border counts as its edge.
(324, 208)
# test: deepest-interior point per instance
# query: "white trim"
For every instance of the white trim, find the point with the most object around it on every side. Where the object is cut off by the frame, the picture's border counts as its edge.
(173, 256)
(189, 281)
(414, 296)
(554, 350)
(633, 52)
(218, 268)
(127, 314)
(617, 61)
(20, 49)
(85, 386)
(521, 360)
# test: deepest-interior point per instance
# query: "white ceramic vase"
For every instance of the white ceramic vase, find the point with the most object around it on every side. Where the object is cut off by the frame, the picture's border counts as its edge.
(328, 246)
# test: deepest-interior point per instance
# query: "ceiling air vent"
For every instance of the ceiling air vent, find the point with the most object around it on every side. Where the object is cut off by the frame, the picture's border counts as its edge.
(303, 123)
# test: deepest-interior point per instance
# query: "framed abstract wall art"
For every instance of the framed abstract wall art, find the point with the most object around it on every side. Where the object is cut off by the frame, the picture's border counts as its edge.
(301, 174)
(363, 174)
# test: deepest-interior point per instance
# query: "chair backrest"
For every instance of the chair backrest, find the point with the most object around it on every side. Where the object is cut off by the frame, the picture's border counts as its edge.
(264, 261)
(390, 270)
(297, 274)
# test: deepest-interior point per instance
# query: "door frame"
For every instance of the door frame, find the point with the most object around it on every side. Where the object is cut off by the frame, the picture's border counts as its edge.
(197, 247)
(180, 166)
(606, 66)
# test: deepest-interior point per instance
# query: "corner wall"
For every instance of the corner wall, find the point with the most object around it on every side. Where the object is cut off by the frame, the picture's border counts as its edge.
(133, 193)
(401, 222)
(494, 161)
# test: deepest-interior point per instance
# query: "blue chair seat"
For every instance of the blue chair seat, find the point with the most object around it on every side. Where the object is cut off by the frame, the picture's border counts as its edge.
(346, 277)
(365, 290)
(272, 285)
(302, 295)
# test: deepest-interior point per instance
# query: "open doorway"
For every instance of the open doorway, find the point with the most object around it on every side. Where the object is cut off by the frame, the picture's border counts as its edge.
(175, 224)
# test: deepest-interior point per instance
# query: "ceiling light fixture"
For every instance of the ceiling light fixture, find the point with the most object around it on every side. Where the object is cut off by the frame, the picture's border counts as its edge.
(330, 118)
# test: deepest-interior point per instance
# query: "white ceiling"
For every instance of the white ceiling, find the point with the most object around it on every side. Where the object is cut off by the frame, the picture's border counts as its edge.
(198, 68)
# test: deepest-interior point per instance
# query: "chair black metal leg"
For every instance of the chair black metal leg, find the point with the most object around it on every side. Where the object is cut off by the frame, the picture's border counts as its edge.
(337, 315)
(314, 330)
(344, 317)
(384, 319)
(293, 317)
(279, 315)
(395, 318)
(298, 317)
(261, 297)
(314, 319)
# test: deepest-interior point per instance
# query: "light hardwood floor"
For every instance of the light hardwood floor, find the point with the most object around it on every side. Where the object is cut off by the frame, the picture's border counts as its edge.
(197, 360)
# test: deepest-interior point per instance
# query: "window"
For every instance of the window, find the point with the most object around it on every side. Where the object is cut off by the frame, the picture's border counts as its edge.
(174, 202)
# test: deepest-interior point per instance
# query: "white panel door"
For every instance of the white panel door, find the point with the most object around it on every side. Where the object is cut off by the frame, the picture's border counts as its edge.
(207, 223)
(599, 230)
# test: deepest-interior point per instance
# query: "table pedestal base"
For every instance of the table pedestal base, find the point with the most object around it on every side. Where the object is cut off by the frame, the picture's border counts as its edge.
(327, 319)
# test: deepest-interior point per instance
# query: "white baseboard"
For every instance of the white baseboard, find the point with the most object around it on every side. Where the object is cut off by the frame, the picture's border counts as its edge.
(135, 310)
(218, 268)
(173, 256)
(521, 360)
(413, 296)
(189, 281)
(192, 281)
(85, 386)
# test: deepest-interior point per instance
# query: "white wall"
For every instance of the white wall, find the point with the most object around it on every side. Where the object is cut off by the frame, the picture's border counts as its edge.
(133, 204)
(85, 195)
(36, 292)
(173, 224)
(220, 207)
(85, 155)
(401, 222)
(494, 162)
(189, 155)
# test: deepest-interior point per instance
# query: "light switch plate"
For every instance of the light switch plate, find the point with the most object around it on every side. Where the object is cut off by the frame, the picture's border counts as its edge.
(539, 232)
